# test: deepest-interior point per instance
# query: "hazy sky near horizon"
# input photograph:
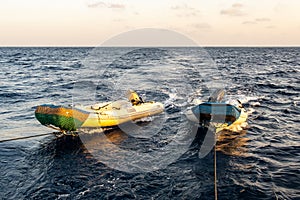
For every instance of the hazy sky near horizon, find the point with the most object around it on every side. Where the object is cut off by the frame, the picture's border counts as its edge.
(91, 22)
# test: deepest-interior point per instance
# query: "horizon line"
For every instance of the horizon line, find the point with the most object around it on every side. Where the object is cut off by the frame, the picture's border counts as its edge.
(136, 46)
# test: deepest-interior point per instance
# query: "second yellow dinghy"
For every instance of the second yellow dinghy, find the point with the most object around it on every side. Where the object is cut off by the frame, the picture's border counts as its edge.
(102, 115)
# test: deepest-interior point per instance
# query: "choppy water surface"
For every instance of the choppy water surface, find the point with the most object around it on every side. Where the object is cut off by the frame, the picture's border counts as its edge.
(262, 162)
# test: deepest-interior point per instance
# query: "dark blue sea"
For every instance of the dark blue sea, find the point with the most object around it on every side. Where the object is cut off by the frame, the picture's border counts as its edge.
(262, 162)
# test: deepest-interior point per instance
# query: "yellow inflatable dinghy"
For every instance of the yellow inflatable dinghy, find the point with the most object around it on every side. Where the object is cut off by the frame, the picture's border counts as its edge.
(101, 115)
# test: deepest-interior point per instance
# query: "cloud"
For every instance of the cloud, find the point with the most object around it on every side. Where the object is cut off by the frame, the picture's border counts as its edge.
(176, 7)
(263, 19)
(234, 10)
(249, 22)
(118, 20)
(257, 21)
(183, 7)
(105, 5)
(270, 27)
(115, 5)
(192, 14)
(237, 5)
(202, 26)
(185, 11)
(95, 4)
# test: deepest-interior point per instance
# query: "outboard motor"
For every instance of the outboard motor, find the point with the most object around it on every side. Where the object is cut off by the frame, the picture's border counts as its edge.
(134, 98)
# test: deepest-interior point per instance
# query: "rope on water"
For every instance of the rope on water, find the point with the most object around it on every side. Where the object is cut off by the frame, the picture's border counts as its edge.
(215, 169)
(26, 137)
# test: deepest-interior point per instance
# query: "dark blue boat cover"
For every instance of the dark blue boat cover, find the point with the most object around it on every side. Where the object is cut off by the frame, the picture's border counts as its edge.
(216, 112)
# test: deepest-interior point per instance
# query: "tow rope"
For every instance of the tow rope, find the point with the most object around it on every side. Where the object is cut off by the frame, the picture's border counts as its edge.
(26, 137)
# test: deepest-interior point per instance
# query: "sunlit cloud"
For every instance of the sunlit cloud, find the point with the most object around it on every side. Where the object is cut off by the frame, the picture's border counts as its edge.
(193, 14)
(118, 20)
(183, 7)
(96, 4)
(185, 11)
(203, 26)
(257, 21)
(270, 27)
(116, 5)
(237, 5)
(249, 22)
(176, 7)
(263, 19)
(234, 10)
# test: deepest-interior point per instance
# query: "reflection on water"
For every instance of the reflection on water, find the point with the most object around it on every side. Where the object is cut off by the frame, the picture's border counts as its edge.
(229, 143)
(94, 137)
(232, 143)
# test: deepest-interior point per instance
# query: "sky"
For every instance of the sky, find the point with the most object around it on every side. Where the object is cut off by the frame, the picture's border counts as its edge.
(92, 22)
